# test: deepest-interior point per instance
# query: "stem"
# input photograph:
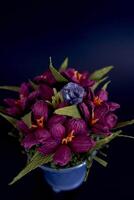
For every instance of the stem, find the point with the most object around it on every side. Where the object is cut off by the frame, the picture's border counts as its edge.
(126, 136)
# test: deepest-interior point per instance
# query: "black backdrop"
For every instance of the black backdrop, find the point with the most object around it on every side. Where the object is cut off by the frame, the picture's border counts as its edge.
(93, 34)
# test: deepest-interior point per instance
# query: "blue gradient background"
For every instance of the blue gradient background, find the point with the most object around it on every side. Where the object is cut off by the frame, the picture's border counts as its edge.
(93, 35)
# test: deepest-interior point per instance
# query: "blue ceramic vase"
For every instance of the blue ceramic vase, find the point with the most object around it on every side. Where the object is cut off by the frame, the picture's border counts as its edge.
(65, 179)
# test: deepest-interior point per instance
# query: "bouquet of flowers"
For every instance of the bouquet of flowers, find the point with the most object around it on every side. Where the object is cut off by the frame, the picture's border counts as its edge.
(63, 118)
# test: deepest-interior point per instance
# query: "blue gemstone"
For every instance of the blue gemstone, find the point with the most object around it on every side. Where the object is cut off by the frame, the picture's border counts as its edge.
(73, 93)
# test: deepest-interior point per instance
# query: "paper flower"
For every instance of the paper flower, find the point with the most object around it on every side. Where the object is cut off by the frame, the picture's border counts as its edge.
(64, 117)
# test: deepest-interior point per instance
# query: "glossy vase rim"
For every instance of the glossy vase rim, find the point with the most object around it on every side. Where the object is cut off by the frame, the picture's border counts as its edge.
(63, 169)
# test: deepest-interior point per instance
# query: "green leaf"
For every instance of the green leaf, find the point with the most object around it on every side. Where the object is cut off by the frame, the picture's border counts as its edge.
(12, 120)
(34, 86)
(123, 124)
(64, 65)
(27, 119)
(100, 161)
(36, 161)
(10, 88)
(99, 74)
(58, 77)
(71, 111)
(100, 143)
(56, 98)
(106, 85)
(89, 165)
(99, 82)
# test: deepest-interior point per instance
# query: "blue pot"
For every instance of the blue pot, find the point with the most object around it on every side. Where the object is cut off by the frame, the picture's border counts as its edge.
(65, 179)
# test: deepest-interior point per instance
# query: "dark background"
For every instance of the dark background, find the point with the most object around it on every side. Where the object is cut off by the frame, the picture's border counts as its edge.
(92, 34)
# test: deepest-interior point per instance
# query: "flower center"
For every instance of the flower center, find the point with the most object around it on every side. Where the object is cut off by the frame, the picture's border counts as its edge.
(77, 75)
(97, 101)
(93, 120)
(40, 123)
(68, 138)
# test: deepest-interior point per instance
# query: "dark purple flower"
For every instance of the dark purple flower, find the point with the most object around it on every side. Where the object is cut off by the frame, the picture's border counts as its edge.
(80, 78)
(46, 77)
(81, 144)
(56, 119)
(103, 120)
(14, 111)
(113, 106)
(85, 111)
(23, 127)
(73, 93)
(65, 143)
(63, 155)
(102, 97)
(57, 131)
(17, 106)
(40, 110)
(32, 136)
(78, 125)
(45, 92)
(41, 135)
(29, 141)
(110, 120)
(49, 146)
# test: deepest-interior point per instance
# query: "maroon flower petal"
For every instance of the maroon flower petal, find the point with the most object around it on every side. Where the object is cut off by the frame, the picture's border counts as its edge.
(46, 77)
(100, 111)
(62, 156)
(45, 92)
(55, 119)
(85, 111)
(23, 127)
(101, 129)
(29, 141)
(24, 89)
(87, 82)
(14, 111)
(10, 102)
(110, 120)
(41, 135)
(40, 109)
(57, 131)
(81, 144)
(103, 95)
(78, 125)
(33, 95)
(69, 74)
(49, 146)
(113, 106)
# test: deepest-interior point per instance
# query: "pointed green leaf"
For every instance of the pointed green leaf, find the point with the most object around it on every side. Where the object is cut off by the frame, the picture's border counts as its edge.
(106, 85)
(123, 124)
(99, 82)
(89, 165)
(71, 111)
(100, 161)
(58, 77)
(64, 65)
(100, 143)
(35, 162)
(34, 86)
(11, 120)
(27, 119)
(10, 88)
(99, 74)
